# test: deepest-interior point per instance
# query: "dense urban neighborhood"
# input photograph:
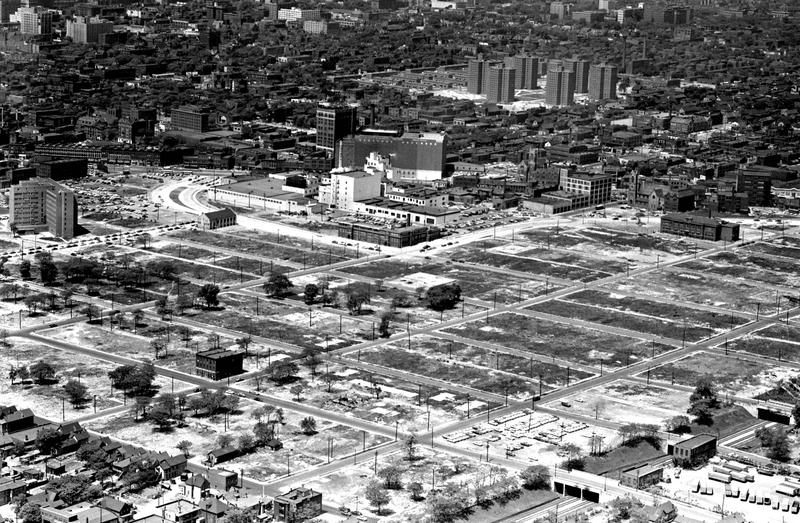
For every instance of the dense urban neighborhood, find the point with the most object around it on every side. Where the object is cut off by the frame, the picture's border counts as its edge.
(507, 262)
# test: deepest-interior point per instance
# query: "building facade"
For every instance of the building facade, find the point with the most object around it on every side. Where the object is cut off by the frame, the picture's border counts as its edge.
(596, 187)
(85, 30)
(527, 70)
(41, 204)
(581, 70)
(411, 156)
(700, 227)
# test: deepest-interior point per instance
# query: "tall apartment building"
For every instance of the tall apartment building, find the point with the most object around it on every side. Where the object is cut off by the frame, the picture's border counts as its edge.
(500, 85)
(190, 118)
(477, 75)
(527, 68)
(603, 82)
(42, 204)
(85, 30)
(560, 87)
(33, 20)
(560, 10)
(333, 124)
(757, 185)
(581, 70)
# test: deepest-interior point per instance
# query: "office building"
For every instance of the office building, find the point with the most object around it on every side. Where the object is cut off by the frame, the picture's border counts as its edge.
(411, 156)
(33, 20)
(581, 70)
(477, 73)
(500, 85)
(7, 8)
(333, 124)
(560, 87)
(85, 30)
(527, 68)
(190, 118)
(603, 82)
(41, 204)
(596, 188)
(295, 14)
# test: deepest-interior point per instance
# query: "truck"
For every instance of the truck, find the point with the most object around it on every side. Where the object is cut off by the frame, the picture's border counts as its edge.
(719, 476)
(736, 466)
(786, 489)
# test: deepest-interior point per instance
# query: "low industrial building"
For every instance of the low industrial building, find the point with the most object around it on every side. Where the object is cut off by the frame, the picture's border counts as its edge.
(217, 219)
(641, 477)
(297, 505)
(388, 236)
(218, 364)
(700, 227)
(693, 451)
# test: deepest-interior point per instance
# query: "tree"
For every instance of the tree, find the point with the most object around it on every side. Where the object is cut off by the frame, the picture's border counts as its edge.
(73, 489)
(536, 477)
(158, 345)
(91, 312)
(392, 476)
(776, 441)
(209, 294)
(443, 297)
(310, 293)
(703, 400)
(48, 271)
(297, 390)
(308, 425)
(678, 424)
(77, 393)
(278, 285)
(376, 495)
(282, 370)
(243, 343)
(183, 302)
(448, 504)
(30, 513)
(311, 359)
(48, 440)
(356, 299)
(42, 372)
(32, 302)
(20, 372)
(246, 442)
(162, 307)
(385, 317)
(184, 447)
(25, 269)
(224, 440)
(145, 239)
(410, 445)
(161, 416)
(415, 488)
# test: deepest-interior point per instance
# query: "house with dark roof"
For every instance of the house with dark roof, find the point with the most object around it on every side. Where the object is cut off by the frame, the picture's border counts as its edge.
(171, 466)
(221, 455)
(213, 509)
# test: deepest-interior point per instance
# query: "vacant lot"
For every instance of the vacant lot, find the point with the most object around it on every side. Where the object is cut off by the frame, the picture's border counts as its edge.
(782, 350)
(699, 287)
(531, 265)
(628, 402)
(563, 341)
(731, 374)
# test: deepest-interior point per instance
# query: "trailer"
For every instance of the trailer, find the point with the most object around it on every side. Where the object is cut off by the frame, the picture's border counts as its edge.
(739, 476)
(786, 489)
(736, 466)
(721, 470)
(718, 476)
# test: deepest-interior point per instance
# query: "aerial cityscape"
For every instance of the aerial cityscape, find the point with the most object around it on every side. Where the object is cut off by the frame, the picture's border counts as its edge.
(505, 262)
